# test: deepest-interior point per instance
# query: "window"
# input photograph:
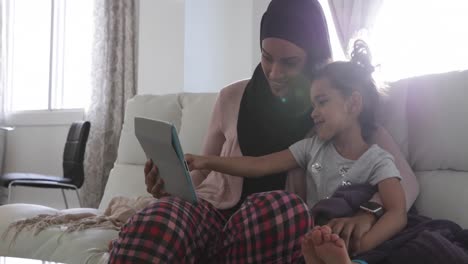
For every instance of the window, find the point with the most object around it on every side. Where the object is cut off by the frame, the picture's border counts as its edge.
(47, 53)
(412, 38)
(420, 37)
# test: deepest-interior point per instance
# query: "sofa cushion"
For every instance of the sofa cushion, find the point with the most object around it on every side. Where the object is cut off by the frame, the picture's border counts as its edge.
(438, 121)
(392, 113)
(189, 112)
(164, 107)
(124, 180)
(443, 195)
(196, 116)
(52, 243)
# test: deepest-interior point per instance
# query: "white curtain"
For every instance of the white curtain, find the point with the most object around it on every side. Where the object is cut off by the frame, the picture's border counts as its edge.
(2, 99)
(114, 82)
(352, 17)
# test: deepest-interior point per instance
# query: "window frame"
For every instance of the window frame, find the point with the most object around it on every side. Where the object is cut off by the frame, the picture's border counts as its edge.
(56, 71)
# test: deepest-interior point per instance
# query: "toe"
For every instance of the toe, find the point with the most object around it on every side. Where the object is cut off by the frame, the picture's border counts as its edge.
(340, 243)
(326, 229)
(317, 237)
(334, 237)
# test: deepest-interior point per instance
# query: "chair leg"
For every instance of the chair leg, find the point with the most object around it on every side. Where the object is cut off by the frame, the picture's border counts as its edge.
(9, 192)
(64, 198)
(20, 182)
(78, 195)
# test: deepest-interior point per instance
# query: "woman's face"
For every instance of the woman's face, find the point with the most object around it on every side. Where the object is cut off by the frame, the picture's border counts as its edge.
(281, 61)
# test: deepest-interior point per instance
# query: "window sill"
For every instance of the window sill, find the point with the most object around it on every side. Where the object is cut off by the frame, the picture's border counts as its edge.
(44, 117)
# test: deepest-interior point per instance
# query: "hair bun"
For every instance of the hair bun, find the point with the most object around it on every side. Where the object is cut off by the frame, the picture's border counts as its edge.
(362, 57)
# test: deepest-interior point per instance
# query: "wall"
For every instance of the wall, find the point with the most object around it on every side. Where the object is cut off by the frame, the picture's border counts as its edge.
(197, 46)
(161, 46)
(218, 36)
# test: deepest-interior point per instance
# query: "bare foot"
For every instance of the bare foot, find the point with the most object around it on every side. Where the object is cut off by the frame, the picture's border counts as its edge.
(328, 248)
(308, 246)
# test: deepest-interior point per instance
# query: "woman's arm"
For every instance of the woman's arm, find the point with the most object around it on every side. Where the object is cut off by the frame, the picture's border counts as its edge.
(214, 139)
(244, 166)
(409, 182)
(392, 221)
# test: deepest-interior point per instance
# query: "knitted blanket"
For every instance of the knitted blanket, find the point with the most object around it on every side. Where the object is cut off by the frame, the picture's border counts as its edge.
(120, 209)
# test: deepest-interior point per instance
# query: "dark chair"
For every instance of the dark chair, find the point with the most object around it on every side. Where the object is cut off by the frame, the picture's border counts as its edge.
(73, 172)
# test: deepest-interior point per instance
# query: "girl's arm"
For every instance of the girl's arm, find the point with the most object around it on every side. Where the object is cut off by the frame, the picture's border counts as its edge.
(361, 223)
(393, 220)
(250, 167)
(409, 182)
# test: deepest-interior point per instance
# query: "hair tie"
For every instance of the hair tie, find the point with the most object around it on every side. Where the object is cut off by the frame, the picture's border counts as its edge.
(361, 56)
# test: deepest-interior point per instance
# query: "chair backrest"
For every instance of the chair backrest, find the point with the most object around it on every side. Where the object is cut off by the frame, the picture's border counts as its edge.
(73, 154)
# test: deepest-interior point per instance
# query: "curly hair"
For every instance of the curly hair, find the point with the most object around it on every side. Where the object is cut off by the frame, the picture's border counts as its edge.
(356, 75)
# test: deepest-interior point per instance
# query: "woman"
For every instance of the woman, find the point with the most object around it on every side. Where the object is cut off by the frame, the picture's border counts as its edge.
(255, 220)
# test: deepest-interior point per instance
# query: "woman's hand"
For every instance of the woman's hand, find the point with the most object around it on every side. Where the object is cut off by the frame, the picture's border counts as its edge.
(196, 162)
(154, 183)
(352, 229)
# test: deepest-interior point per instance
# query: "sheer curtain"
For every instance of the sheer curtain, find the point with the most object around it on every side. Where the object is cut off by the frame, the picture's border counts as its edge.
(352, 17)
(2, 99)
(114, 82)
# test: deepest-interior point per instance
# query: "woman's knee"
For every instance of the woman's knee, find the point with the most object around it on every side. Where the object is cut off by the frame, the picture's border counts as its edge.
(279, 207)
(158, 220)
(168, 230)
(169, 213)
(271, 221)
(279, 200)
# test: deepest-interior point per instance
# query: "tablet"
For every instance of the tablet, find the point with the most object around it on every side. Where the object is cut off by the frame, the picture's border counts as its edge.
(160, 142)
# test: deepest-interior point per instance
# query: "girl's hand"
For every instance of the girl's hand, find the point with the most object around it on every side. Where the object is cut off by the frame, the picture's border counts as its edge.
(352, 229)
(196, 162)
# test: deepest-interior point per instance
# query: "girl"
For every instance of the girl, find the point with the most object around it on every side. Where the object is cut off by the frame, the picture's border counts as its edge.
(344, 98)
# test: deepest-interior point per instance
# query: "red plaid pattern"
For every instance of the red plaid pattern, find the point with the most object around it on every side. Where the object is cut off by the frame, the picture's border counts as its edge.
(266, 229)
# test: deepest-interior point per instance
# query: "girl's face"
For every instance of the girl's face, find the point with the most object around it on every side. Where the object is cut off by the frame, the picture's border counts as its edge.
(281, 61)
(333, 112)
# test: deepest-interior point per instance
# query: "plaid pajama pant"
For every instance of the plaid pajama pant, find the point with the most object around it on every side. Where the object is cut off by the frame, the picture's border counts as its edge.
(267, 228)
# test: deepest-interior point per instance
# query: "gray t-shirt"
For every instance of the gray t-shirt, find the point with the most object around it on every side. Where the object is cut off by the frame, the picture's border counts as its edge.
(327, 169)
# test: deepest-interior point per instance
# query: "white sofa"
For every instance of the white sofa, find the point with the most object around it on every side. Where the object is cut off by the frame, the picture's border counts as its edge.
(427, 116)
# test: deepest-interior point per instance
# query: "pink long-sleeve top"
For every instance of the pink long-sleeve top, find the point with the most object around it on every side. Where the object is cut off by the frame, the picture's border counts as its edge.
(224, 191)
